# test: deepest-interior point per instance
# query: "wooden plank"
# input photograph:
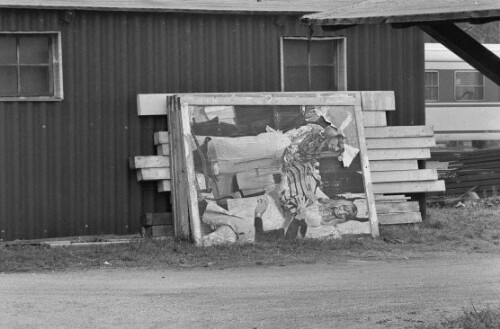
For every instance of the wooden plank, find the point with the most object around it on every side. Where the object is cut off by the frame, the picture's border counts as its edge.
(400, 142)
(150, 161)
(396, 207)
(161, 137)
(400, 218)
(404, 175)
(163, 149)
(390, 197)
(156, 218)
(378, 101)
(151, 104)
(192, 199)
(164, 185)
(277, 99)
(179, 180)
(374, 119)
(399, 131)
(387, 165)
(399, 154)
(153, 174)
(365, 169)
(409, 187)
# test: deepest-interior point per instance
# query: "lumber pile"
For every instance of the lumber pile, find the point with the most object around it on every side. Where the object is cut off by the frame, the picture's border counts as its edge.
(394, 153)
(155, 167)
(477, 171)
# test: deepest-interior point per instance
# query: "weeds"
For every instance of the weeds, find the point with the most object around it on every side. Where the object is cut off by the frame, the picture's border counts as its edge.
(446, 230)
(484, 319)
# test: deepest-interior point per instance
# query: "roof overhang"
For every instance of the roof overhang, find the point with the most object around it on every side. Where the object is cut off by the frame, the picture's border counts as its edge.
(435, 17)
(408, 12)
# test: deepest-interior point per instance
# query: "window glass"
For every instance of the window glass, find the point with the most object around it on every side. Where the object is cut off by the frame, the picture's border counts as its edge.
(8, 80)
(295, 52)
(34, 49)
(431, 86)
(34, 80)
(313, 64)
(8, 52)
(27, 67)
(469, 85)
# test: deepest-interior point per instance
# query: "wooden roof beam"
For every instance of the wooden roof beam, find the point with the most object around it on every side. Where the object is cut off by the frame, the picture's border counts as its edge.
(466, 47)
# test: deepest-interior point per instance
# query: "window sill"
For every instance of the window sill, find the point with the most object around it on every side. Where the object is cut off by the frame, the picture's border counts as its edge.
(30, 99)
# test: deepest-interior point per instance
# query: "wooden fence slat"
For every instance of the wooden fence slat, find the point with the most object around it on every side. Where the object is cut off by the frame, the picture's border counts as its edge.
(400, 142)
(388, 165)
(399, 131)
(399, 154)
(150, 161)
(400, 218)
(409, 187)
(404, 175)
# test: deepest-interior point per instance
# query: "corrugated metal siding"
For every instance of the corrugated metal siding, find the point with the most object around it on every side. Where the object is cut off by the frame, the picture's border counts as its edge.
(63, 165)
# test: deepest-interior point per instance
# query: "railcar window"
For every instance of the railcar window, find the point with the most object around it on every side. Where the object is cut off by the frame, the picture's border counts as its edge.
(431, 85)
(29, 66)
(469, 86)
(313, 64)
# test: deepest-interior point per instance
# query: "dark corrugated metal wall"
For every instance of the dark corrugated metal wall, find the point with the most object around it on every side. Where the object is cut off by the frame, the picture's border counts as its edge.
(63, 165)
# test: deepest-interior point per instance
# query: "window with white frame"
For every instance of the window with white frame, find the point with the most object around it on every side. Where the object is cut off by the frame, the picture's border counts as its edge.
(313, 64)
(432, 86)
(469, 85)
(30, 66)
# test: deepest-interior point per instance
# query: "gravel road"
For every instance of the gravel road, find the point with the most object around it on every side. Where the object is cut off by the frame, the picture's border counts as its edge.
(351, 294)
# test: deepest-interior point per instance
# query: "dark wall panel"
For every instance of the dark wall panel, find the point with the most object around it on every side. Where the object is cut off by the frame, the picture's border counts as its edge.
(63, 165)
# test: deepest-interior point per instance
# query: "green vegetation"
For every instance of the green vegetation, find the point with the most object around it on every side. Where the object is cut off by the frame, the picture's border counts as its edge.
(475, 229)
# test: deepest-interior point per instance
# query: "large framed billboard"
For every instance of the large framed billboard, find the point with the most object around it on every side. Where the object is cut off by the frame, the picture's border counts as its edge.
(266, 167)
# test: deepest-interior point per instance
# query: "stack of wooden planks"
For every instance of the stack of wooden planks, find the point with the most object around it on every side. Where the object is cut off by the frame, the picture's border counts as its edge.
(394, 154)
(473, 170)
(156, 224)
(155, 167)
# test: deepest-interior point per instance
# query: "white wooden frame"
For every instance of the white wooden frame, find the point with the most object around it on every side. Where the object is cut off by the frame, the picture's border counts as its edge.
(183, 174)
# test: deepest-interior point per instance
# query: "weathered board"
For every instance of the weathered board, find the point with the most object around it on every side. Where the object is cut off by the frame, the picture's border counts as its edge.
(399, 131)
(153, 173)
(409, 187)
(390, 165)
(400, 142)
(150, 161)
(164, 185)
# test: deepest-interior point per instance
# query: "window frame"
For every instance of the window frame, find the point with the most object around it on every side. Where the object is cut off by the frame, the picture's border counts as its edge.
(436, 86)
(55, 68)
(455, 86)
(342, 58)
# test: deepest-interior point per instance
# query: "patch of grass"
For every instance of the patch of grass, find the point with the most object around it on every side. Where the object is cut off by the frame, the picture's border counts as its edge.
(484, 319)
(446, 230)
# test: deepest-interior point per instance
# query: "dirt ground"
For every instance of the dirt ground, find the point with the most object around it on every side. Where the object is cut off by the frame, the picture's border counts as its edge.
(349, 294)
